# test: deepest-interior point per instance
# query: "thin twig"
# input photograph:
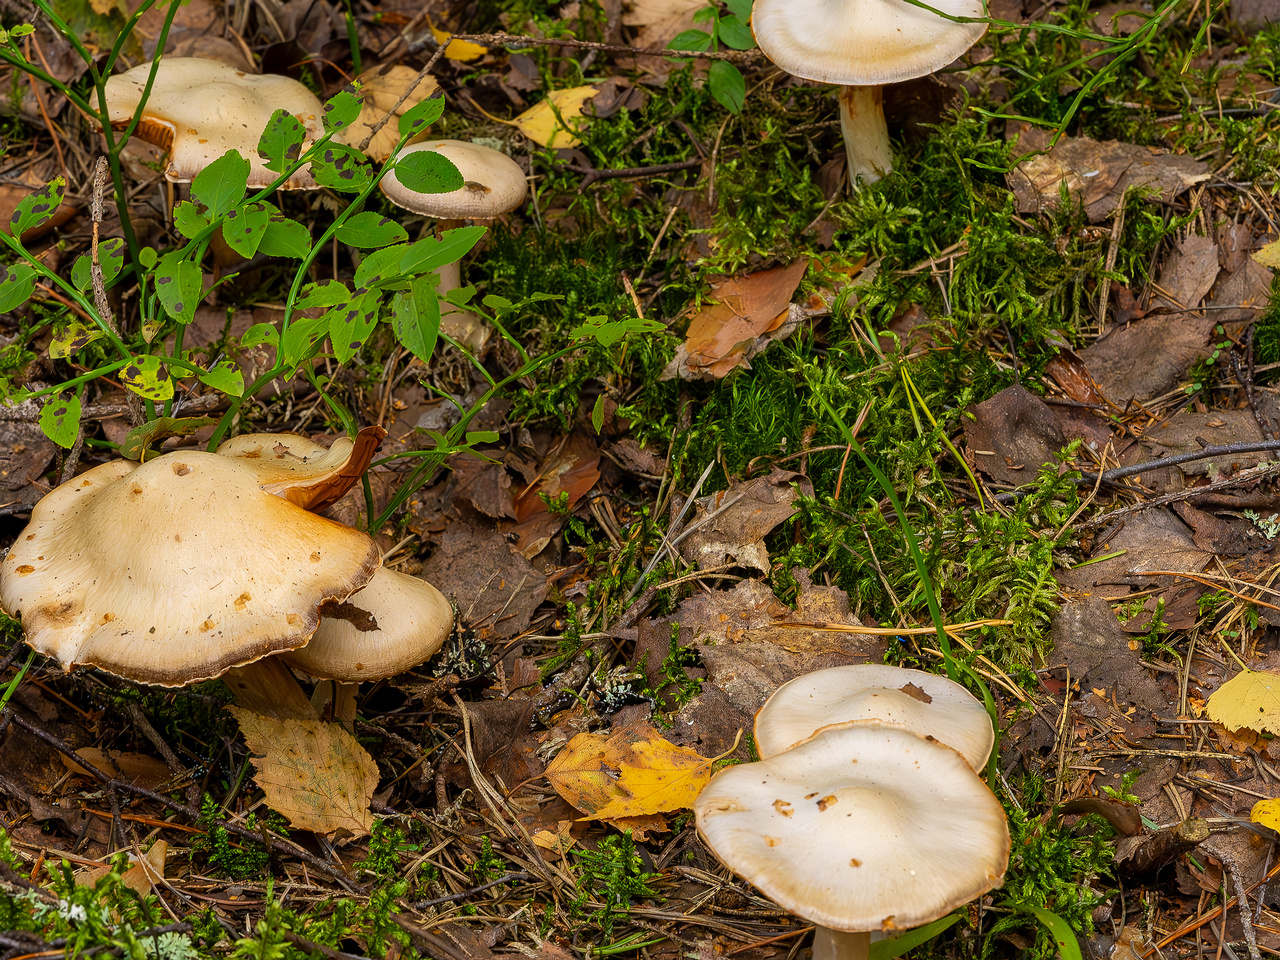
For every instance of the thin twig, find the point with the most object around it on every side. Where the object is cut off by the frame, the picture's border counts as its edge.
(517, 40)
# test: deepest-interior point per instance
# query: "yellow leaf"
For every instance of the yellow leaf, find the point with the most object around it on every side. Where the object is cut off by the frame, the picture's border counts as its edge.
(1267, 813)
(634, 773)
(550, 122)
(1269, 256)
(380, 90)
(314, 773)
(1249, 699)
(462, 51)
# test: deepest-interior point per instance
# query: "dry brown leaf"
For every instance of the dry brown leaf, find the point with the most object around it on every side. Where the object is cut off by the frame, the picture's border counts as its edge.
(660, 20)
(633, 773)
(142, 875)
(314, 773)
(381, 88)
(137, 768)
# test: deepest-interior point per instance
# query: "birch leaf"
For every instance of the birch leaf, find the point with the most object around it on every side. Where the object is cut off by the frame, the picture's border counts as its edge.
(1249, 699)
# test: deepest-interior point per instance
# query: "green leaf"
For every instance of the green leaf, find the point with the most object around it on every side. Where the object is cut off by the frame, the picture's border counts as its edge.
(70, 338)
(221, 185)
(340, 111)
(909, 939)
(426, 171)
(147, 377)
(225, 377)
(482, 436)
(497, 304)
(726, 84)
(179, 284)
(110, 256)
(244, 228)
(415, 318)
(381, 266)
(1060, 930)
(740, 9)
(734, 33)
(691, 40)
(608, 332)
(285, 238)
(16, 285)
(260, 333)
(341, 167)
(324, 293)
(597, 415)
(140, 438)
(431, 253)
(350, 326)
(60, 420)
(281, 142)
(420, 116)
(369, 230)
(188, 219)
(301, 340)
(36, 208)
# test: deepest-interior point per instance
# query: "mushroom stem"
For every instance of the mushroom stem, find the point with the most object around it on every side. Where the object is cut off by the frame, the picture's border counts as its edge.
(866, 134)
(831, 944)
(461, 324)
(267, 687)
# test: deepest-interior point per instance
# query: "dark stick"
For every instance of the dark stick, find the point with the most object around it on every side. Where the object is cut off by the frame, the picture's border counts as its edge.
(592, 175)
(516, 875)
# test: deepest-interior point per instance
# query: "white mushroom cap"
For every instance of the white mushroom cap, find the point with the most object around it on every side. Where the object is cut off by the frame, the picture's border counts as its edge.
(494, 183)
(862, 827)
(199, 109)
(863, 42)
(923, 703)
(302, 471)
(176, 570)
(392, 625)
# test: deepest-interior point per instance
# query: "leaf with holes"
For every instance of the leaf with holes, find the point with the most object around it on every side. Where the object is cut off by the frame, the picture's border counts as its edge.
(179, 284)
(244, 228)
(36, 208)
(60, 420)
(147, 377)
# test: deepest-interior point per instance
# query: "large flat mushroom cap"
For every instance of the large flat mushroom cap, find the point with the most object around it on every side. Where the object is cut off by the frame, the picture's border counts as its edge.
(924, 703)
(176, 570)
(863, 42)
(302, 471)
(493, 183)
(392, 625)
(199, 109)
(863, 827)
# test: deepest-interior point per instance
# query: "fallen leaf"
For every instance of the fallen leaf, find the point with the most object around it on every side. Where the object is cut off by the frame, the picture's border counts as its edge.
(1269, 256)
(1188, 275)
(381, 89)
(633, 773)
(137, 768)
(488, 578)
(659, 21)
(141, 877)
(1249, 699)
(748, 513)
(463, 51)
(1267, 813)
(314, 773)
(1012, 435)
(549, 122)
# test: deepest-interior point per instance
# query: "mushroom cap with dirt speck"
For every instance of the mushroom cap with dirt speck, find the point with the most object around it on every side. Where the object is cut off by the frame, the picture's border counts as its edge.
(199, 109)
(863, 42)
(493, 183)
(863, 827)
(176, 570)
(394, 624)
(302, 471)
(925, 704)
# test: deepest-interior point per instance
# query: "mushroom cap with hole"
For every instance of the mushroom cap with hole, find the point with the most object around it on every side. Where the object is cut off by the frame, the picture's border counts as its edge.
(394, 624)
(862, 827)
(863, 42)
(493, 183)
(921, 702)
(176, 570)
(199, 109)
(301, 470)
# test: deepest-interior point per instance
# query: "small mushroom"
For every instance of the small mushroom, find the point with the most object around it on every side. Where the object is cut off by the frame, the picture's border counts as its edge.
(199, 109)
(863, 827)
(493, 184)
(925, 704)
(862, 45)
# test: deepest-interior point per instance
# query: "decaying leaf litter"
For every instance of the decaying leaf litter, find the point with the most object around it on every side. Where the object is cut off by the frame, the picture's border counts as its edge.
(1002, 298)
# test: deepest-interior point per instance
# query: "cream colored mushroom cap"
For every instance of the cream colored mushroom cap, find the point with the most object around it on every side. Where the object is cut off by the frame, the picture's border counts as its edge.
(302, 471)
(392, 625)
(863, 827)
(199, 109)
(925, 704)
(493, 183)
(863, 42)
(176, 570)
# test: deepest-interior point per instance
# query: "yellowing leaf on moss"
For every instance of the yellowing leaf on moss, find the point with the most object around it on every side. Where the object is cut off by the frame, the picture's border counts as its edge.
(1249, 699)
(1267, 813)
(1269, 256)
(314, 773)
(550, 123)
(634, 773)
(463, 51)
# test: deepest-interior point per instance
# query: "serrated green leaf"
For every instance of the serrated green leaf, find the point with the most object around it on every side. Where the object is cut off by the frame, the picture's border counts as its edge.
(431, 253)
(281, 141)
(110, 257)
(350, 325)
(415, 318)
(369, 230)
(285, 238)
(36, 208)
(188, 219)
(147, 377)
(71, 337)
(420, 116)
(179, 284)
(244, 228)
(726, 83)
(340, 111)
(301, 341)
(381, 266)
(60, 420)
(425, 171)
(226, 377)
(221, 185)
(607, 332)
(341, 167)
(16, 285)
(323, 293)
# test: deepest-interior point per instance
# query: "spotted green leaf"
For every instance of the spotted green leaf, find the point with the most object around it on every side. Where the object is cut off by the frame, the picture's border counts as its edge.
(226, 377)
(60, 420)
(70, 338)
(178, 285)
(281, 142)
(16, 284)
(340, 111)
(420, 116)
(189, 220)
(221, 185)
(351, 324)
(36, 208)
(324, 293)
(341, 167)
(301, 341)
(146, 376)
(111, 258)
(244, 228)
(370, 230)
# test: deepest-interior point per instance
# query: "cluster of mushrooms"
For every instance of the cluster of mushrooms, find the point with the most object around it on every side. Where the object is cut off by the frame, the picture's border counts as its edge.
(195, 565)
(865, 812)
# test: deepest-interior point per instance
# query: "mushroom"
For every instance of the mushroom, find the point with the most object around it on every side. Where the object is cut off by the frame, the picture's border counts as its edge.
(493, 184)
(862, 45)
(179, 570)
(302, 471)
(199, 109)
(923, 703)
(862, 827)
